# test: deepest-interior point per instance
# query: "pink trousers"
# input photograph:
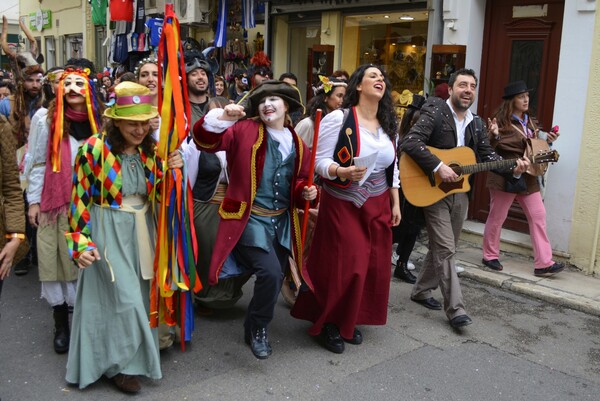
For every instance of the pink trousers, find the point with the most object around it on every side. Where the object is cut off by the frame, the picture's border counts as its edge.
(534, 209)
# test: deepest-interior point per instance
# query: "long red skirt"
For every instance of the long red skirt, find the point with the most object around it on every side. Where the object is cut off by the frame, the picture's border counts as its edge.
(348, 266)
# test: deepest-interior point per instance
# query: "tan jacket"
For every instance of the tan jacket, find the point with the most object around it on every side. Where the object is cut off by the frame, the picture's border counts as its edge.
(12, 209)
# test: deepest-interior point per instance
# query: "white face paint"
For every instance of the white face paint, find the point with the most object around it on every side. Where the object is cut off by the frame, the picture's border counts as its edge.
(75, 89)
(272, 109)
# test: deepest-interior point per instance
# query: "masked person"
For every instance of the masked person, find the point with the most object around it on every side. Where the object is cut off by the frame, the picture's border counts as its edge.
(268, 168)
(71, 119)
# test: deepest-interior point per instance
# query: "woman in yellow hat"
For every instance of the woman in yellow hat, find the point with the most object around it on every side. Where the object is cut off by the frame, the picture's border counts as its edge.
(111, 238)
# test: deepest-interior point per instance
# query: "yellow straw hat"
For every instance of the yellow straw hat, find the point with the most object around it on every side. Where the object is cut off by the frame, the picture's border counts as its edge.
(133, 102)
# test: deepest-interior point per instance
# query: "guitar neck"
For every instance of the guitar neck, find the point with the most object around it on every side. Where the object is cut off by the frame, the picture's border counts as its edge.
(495, 165)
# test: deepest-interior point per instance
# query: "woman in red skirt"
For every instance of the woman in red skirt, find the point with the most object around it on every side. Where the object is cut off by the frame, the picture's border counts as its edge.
(348, 270)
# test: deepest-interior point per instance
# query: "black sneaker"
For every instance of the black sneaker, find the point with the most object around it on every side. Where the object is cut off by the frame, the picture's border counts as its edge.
(557, 267)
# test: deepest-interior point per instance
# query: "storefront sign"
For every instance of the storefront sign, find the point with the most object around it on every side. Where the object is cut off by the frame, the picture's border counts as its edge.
(40, 20)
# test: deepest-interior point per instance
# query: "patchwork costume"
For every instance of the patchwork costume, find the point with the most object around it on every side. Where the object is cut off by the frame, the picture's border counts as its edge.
(112, 202)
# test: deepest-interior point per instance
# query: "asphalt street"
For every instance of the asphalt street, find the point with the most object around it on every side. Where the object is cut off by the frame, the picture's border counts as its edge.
(518, 348)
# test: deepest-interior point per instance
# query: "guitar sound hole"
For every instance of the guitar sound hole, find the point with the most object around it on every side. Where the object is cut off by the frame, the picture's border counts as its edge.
(456, 167)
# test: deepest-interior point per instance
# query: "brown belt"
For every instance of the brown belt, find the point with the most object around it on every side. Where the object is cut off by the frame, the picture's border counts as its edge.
(261, 211)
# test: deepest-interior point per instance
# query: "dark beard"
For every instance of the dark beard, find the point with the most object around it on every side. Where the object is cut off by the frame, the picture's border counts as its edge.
(197, 92)
(459, 107)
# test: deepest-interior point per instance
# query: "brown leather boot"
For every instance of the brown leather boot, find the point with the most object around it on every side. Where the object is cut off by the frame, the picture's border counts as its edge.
(126, 383)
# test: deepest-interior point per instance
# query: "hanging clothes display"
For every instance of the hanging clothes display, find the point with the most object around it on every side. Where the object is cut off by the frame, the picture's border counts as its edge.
(99, 11)
(121, 10)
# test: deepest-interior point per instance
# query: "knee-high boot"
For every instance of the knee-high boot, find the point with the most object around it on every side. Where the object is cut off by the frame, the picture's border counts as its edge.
(61, 328)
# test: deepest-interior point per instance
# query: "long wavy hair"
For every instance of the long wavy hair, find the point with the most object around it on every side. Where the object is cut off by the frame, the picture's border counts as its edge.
(319, 100)
(117, 141)
(386, 115)
(504, 115)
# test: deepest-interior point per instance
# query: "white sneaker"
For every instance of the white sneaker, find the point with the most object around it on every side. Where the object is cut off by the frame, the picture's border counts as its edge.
(410, 266)
(458, 268)
(395, 258)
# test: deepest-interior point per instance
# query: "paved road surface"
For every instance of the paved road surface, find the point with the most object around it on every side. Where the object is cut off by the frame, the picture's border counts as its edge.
(517, 349)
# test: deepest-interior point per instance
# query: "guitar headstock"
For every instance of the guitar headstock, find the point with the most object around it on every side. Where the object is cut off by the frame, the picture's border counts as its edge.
(546, 156)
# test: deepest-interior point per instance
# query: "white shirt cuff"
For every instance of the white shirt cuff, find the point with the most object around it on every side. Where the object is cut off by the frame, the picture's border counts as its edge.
(213, 124)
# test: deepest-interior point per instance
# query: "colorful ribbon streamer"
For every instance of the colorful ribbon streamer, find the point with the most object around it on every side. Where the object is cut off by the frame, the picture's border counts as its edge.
(175, 272)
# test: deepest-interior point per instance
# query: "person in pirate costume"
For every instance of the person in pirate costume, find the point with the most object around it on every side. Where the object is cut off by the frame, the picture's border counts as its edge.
(348, 269)
(111, 237)
(268, 168)
(71, 118)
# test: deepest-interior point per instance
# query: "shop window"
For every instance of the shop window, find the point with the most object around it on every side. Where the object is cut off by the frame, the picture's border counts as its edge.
(397, 41)
(302, 40)
(50, 52)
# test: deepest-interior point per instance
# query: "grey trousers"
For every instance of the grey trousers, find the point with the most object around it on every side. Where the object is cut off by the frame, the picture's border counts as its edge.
(444, 220)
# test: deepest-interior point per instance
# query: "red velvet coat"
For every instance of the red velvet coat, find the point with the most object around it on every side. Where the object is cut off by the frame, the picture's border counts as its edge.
(245, 145)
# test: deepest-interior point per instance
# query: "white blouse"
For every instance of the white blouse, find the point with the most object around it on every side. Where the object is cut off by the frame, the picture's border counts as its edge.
(369, 143)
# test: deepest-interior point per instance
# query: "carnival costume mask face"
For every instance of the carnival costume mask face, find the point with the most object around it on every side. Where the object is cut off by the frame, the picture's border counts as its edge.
(272, 108)
(75, 89)
(242, 82)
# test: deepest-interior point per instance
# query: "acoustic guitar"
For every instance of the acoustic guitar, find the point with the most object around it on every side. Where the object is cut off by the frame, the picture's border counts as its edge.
(422, 190)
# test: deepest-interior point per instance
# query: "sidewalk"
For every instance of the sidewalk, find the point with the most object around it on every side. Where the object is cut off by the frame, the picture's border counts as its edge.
(570, 288)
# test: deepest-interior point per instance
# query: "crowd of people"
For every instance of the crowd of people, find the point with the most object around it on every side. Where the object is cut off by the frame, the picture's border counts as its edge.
(80, 173)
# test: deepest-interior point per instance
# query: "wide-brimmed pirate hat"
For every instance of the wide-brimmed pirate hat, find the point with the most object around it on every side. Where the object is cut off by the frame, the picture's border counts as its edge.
(133, 102)
(514, 89)
(290, 94)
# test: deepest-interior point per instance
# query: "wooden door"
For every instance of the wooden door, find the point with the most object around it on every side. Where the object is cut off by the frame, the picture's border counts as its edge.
(517, 47)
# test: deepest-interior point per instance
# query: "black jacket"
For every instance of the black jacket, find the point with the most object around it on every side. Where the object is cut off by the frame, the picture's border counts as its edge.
(443, 136)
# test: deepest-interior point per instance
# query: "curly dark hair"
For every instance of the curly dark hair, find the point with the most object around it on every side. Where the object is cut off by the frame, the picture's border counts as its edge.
(117, 142)
(386, 115)
(462, 71)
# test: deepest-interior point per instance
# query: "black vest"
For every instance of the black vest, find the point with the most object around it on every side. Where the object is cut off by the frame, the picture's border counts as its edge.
(348, 146)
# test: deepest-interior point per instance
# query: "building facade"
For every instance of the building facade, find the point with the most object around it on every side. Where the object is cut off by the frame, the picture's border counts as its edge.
(554, 45)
